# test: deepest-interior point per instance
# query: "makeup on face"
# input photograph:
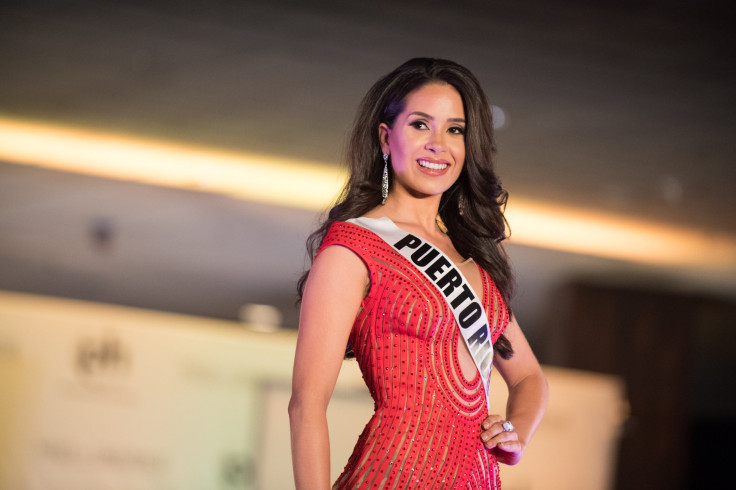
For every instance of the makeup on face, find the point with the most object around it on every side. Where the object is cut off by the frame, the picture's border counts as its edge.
(427, 140)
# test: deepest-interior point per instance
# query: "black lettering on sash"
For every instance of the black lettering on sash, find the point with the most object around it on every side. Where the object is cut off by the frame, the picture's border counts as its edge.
(451, 280)
(408, 241)
(437, 266)
(470, 314)
(424, 255)
(434, 264)
(466, 293)
(479, 337)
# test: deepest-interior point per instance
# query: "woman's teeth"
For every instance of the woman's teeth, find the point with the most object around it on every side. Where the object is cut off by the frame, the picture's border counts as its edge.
(433, 166)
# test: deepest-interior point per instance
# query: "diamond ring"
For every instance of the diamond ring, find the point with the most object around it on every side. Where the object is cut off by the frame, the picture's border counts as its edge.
(507, 426)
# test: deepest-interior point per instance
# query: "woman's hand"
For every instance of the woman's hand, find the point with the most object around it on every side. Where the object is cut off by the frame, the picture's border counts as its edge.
(505, 444)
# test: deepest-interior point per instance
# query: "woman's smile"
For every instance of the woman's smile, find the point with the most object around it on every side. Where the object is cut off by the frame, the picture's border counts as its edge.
(433, 165)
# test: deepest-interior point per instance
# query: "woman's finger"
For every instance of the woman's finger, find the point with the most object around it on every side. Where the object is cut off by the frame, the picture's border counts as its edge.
(496, 435)
(490, 420)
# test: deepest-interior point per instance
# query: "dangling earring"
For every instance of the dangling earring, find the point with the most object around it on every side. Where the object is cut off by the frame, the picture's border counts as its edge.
(461, 205)
(384, 180)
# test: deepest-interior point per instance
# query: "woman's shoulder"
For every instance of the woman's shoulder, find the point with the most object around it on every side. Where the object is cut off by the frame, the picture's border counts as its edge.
(342, 230)
(350, 235)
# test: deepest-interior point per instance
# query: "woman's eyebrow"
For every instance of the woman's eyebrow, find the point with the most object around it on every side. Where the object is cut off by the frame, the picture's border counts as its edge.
(427, 116)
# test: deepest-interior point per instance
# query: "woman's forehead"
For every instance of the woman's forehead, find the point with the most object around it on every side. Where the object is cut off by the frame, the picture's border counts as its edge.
(440, 98)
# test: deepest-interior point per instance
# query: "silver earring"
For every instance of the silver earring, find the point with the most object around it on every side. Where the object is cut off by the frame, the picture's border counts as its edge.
(384, 180)
(461, 205)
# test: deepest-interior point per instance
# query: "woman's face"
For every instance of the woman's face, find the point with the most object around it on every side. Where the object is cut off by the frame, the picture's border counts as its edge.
(427, 141)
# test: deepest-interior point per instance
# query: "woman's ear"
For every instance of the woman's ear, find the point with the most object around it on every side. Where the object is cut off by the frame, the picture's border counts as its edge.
(383, 133)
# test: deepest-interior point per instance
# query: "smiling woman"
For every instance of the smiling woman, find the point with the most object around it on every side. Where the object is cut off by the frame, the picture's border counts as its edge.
(409, 274)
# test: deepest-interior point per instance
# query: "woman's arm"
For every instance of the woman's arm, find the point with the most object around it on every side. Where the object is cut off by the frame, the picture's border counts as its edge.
(332, 296)
(528, 394)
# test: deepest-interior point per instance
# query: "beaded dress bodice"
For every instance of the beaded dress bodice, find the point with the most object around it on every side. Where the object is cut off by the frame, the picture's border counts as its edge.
(425, 432)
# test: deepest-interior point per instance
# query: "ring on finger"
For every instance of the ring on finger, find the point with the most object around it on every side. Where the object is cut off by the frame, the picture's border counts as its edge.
(507, 426)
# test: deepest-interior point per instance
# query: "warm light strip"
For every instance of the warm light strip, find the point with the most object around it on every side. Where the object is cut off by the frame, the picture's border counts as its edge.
(253, 177)
(310, 185)
(616, 237)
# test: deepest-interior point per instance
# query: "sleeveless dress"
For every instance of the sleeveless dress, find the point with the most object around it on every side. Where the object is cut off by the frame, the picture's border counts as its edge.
(425, 433)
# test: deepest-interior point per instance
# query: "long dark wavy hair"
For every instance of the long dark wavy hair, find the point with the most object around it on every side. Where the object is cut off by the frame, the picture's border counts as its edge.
(471, 210)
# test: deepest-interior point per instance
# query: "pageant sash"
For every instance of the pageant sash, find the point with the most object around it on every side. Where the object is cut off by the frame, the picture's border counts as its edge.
(439, 269)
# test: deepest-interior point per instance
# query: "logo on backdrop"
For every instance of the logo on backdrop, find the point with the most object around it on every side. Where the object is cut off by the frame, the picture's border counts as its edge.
(103, 356)
(102, 364)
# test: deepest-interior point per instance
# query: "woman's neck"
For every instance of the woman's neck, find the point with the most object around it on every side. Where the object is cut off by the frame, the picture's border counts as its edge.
(417, 213)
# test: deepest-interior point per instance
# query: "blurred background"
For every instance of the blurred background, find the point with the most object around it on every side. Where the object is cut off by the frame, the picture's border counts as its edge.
(174, 156)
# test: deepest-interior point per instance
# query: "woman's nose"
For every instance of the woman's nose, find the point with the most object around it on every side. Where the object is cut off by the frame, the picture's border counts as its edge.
(435, 143)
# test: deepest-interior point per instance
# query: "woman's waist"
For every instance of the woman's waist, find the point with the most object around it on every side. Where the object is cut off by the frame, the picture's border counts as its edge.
(418, 411)
(434, 397)
(420, 427)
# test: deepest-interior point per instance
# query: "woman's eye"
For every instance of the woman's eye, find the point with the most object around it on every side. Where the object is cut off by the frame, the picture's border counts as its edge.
(418, 125)
(457, 130)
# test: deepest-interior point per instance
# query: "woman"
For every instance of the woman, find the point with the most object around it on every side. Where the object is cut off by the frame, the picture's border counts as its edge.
(402, 283)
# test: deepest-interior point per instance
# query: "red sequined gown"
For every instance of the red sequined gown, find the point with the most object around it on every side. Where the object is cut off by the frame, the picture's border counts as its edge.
(425, 432)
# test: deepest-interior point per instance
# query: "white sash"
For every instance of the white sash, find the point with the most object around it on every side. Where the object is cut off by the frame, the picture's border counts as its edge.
(439, 269)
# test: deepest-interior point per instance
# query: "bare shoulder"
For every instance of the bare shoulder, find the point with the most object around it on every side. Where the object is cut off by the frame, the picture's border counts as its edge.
(338, 268)
(339, 258)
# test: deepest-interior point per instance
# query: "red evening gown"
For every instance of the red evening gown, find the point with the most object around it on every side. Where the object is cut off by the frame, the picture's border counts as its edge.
(425, 432)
